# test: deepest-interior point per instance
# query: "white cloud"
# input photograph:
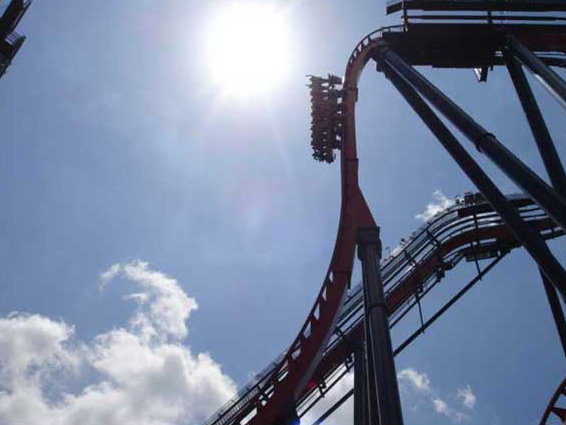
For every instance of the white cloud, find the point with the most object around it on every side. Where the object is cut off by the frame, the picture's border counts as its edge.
(163, 307)
(31, 341)
(442, 408)
(416, 380)
(442, 202)
(109, 274)
(140, 373)
(417, 391)
(466, 396)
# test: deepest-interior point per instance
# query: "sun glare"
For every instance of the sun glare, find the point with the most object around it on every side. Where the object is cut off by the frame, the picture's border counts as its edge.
(248, 48)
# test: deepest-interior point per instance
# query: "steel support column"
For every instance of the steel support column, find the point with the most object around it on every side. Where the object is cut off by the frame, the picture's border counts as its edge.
(528, 236)
(515, 169)
(360, 386)
(556, 309)
(371, 404)
(377, 323)
(550, 79)
(551, 162)
(538, 126)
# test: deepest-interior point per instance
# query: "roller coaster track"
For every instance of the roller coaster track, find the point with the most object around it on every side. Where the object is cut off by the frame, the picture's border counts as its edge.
(319, 355)
(10, 40)
(554, 408)
(464, 231)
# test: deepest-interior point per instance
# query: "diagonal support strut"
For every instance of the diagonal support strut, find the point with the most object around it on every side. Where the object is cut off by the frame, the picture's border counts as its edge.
(550, 79)
(513, 167)
(528, 236)
(551, 161)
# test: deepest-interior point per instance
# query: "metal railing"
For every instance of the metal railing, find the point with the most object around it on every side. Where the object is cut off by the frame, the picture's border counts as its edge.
(14, 38)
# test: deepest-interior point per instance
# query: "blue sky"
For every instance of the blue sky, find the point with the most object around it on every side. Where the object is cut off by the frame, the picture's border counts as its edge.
(118, 150)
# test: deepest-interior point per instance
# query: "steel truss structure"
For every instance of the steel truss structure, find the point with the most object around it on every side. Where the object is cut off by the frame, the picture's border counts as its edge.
(348, 328)
(10, 40)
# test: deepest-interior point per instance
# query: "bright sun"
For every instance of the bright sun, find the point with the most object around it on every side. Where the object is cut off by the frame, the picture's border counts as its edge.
(248, 48)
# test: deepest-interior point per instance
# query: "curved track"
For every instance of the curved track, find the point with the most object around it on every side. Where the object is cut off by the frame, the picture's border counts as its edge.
(274, 396)
(467, 230)
(319, 354)
(554, 411)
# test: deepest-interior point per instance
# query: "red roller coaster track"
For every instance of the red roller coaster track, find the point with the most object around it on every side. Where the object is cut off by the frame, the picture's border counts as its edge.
(469, 230)
(319, 354)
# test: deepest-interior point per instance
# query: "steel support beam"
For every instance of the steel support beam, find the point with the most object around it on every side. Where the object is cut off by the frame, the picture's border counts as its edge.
(538, 126)
(330, 411)
(418, 332)
(523, 232)
(551, 162)
(550, 79)
(360, 386)
(513, 167)
(556, 310)
(414, 336)
(371, 405)
(376, 320)
(446, 306)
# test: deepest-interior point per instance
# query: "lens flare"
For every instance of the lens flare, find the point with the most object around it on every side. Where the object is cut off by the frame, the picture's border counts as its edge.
(248, 48)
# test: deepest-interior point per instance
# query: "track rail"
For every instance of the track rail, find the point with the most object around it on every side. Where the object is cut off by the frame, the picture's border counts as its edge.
(464, 230)
(272, 397)
(460, 233)
(554, 408)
